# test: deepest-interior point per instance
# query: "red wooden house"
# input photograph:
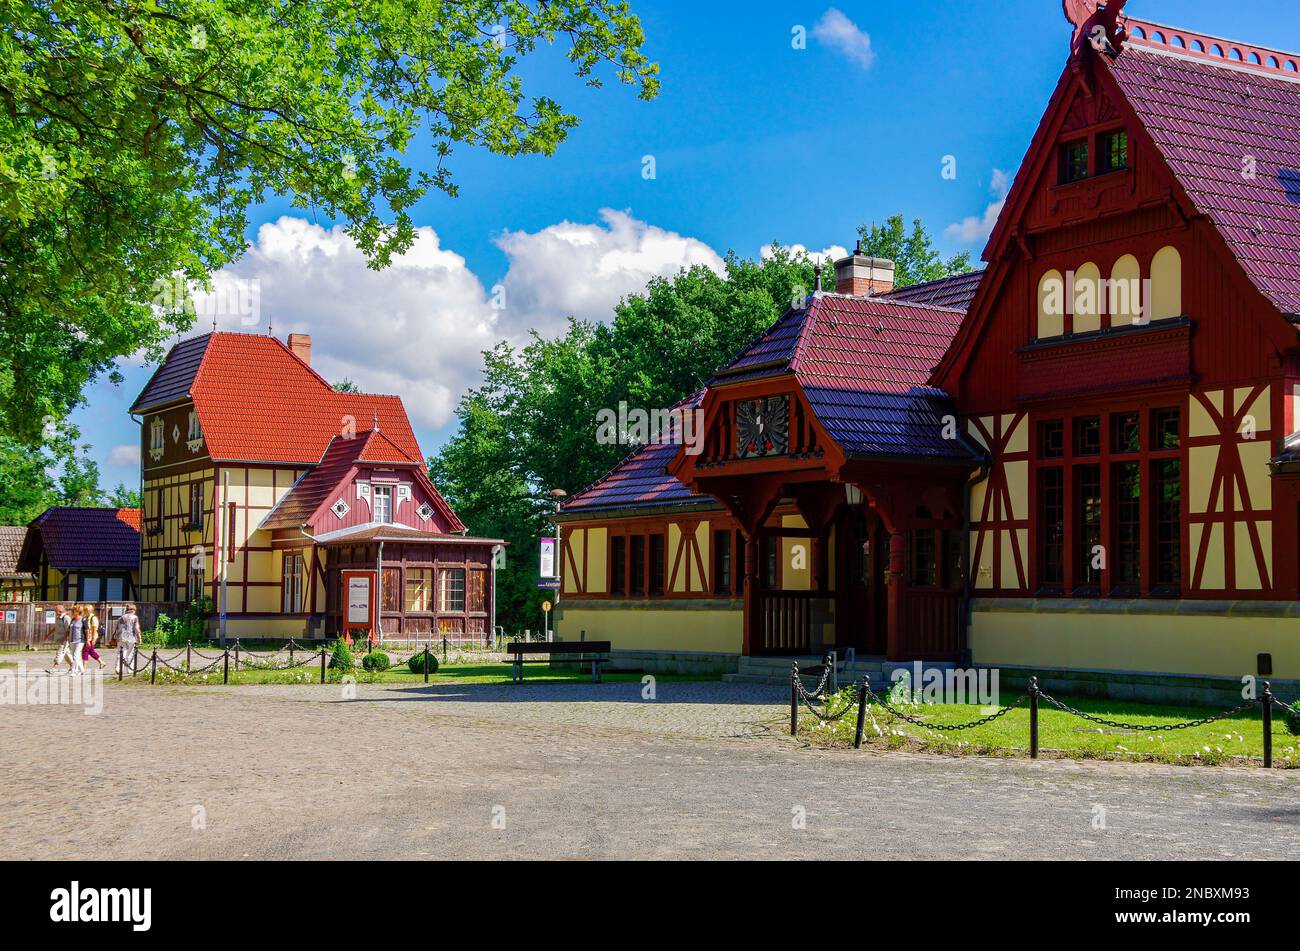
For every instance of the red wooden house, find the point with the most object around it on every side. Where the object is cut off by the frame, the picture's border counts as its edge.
(1082, 458)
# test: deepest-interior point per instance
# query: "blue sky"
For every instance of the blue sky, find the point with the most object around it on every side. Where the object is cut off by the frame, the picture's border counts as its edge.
(753, 140)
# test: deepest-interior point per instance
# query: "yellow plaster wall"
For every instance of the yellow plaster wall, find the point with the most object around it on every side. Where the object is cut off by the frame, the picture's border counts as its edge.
(1166, 284)
(1051, 285)
(1207, 645)
(1125, 302)
(597, 552)
(797, 557)
(1087, 298)
(705, 630)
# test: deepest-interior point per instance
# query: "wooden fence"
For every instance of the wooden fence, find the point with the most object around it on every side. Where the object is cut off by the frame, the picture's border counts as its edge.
(31, 623)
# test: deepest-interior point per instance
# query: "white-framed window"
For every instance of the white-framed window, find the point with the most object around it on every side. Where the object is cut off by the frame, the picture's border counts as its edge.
(424, 511)
(291, 584)
(383, 504)
(157, 441)
(340, 508)
(196, 431)
(451, 590)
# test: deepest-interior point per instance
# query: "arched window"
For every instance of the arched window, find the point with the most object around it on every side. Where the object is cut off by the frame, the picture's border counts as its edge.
(1166, 284)
(1087, 299)
(1125, 292)
(1051, 305)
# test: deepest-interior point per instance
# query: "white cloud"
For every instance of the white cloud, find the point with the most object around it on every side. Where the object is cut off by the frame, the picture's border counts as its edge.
(584, 270)
(415, 329)
(128, 455)
(972, 228)
(843, 35)
(418, 328)
(825, 256)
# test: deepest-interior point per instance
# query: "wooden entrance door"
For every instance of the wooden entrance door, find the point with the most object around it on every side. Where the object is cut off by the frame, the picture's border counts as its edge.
(861, 569)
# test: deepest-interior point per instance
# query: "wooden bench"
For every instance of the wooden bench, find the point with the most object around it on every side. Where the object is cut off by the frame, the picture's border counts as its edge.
(533, 652)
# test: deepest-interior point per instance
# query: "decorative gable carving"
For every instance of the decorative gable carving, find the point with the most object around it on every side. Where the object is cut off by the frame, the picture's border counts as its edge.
(341, 508)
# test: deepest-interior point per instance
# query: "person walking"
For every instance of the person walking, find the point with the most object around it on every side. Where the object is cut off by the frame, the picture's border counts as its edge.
(91, 622)
(128, 637)
(77, 640)
(61, 634)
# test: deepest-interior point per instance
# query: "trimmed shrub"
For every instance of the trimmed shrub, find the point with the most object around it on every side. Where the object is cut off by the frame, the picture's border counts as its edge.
(376, 660)
(415, 663)
(1293, 720)
(341, 658)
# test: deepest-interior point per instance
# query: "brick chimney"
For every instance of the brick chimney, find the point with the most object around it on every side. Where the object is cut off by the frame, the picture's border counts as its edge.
(300, 344)
(861, 276)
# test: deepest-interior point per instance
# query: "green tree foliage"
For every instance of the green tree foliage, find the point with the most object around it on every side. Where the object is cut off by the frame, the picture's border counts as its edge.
(345, 385)
(135, 137)
(123, 498)
(530, 427)
(915, 259)
(58, 473)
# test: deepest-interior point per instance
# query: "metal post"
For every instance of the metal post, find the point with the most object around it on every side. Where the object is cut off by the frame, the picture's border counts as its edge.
(121, 663)
(1267, 699)
(187, 656)
(862, 713)
(794, 699)
(236, 655)
(225, 667)
(153, 667)
(444, 648)
(291, 652)
(1033, 717)
(426, 662)
(322, 665)
(834, 672)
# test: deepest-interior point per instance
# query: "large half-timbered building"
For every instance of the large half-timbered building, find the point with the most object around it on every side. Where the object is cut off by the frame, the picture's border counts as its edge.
(265, 489)
(1084, 458)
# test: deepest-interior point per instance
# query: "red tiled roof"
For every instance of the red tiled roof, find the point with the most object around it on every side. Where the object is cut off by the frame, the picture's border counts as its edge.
(258, 402)
(640, 480)
(1206, 116)
(955, 291)
(871, 343)
(340, 457)
(84, 538)
(863, 363)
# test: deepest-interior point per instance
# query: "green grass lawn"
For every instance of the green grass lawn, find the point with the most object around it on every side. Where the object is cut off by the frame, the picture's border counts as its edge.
(493, 673)
(1229, 740)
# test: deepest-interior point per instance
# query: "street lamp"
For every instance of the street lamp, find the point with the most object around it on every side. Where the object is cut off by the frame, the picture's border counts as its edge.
(558, 496)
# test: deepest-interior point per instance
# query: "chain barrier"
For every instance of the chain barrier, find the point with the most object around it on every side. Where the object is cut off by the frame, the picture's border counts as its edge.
(1149, 727)
(823, 715)
(1035, 696)
(945, 728)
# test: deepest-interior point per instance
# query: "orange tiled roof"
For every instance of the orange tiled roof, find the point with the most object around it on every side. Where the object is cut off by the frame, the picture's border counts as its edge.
(258, 402)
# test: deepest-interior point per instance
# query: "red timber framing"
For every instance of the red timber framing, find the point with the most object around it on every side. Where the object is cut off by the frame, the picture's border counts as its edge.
(882, 513)
(427, 589)
(1226, 356)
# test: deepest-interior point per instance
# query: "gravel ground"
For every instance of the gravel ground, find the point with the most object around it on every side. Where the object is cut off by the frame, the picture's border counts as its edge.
(572, 771)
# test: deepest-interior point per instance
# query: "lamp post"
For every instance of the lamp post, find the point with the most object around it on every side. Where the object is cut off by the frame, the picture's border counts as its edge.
(557, 496)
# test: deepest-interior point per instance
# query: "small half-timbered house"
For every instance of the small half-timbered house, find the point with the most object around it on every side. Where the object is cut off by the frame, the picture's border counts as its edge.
(1085, 458)
(83, 553)
(264, 489)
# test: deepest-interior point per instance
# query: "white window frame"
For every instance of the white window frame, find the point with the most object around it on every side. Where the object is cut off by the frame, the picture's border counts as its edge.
(291, 583)
(382, 511)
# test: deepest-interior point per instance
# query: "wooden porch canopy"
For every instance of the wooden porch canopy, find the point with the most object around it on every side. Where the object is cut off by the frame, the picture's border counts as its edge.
(829, 409)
